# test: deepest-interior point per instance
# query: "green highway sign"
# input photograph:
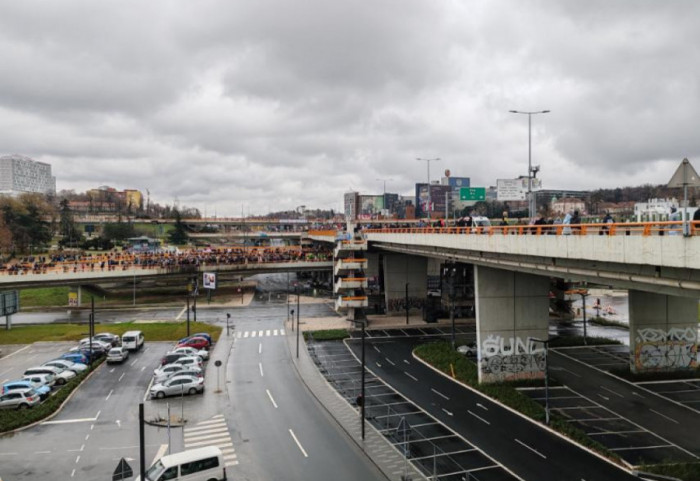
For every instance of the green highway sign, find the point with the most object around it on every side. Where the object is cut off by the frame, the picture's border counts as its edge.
(472, 193)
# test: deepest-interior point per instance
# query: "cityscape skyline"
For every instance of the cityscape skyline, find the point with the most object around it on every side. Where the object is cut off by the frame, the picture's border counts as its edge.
(230, 108)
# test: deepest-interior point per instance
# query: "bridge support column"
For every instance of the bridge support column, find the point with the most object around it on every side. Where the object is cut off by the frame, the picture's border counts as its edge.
(663, 332)
(399, 270)
(511, 309)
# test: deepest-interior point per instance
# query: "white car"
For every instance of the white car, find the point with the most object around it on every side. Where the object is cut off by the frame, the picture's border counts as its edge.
(39, 380)
(178, 385)
(469, 350)
(62, 375)
(164, 372)
(189, 361)
(97, 344)
(76, 367)
(117, 354)
(190, 351)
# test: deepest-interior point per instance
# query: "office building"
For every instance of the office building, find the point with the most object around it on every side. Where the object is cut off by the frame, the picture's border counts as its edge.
(20, 174)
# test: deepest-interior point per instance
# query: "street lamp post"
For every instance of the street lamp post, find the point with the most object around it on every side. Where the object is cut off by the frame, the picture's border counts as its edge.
(361, 319)
(428, 161)
(546, 376)
(532, 204)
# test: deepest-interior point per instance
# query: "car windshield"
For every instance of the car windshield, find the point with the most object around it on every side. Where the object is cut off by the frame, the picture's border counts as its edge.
(155, 471)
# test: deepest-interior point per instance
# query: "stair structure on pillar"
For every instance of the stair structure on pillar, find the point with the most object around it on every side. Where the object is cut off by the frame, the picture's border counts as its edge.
(349, 279)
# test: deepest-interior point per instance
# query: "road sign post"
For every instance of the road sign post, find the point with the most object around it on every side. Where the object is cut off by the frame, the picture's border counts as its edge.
(123, 471)
(9, 304)
(218, 369)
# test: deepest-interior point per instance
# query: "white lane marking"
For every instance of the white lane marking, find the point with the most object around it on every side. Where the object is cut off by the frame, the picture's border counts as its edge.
(134, 363)
(664, 416)
(240, 334)
(531, 449)
(260, 348)
(482, 406)
(161, 451)
(260, 334)
(634, 393)
(281, 332)
(92, 426)
(97, 415)
(254, 333)
(70, 421)
(409, 375)
(142, 369)
(272, 400)
(298, 444)
(72, 474)
(112, 370)
(612, 392)
(122, 376)
(378, 365)
(267, 333)
(87, 436)
(246, 334)
(148, 390)
(406, 361)
(275, 332)
(17, 351)
(77, 459)
(190, 433)
(376, 348)
(448, 412)
(82, 448)
(119, 423)
(604, 397)
(108, 395)
(42, 452)
(261, 370)
(389, 361)
(181, 313)
(479, 418)
(440, 394)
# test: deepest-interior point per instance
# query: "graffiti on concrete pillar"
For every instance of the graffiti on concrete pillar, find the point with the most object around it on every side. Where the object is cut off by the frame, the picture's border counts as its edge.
(399, 303)
(661, 349)
(511, 358)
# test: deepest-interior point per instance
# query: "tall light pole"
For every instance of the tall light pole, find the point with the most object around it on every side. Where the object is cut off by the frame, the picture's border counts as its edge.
(428, 161)
(532, 204)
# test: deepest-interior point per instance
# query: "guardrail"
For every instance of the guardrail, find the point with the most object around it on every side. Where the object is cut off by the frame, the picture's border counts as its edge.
(623, 228)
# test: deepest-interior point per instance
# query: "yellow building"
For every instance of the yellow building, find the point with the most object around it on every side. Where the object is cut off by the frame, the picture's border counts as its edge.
(133, 198)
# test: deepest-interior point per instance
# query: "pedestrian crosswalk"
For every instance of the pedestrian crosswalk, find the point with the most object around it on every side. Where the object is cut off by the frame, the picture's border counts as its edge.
(212, 432)
(261, 333)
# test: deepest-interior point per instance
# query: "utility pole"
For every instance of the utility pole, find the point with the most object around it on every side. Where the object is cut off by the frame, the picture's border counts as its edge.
(297, 291)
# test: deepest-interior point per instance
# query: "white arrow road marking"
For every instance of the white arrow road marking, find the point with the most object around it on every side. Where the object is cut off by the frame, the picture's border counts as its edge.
(447, 412)
(378, 365)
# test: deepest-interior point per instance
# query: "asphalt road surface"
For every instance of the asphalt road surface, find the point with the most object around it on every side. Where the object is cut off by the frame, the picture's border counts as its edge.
(526, 449)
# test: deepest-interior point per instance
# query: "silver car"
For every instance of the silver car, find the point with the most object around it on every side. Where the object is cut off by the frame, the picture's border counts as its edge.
(19, 399)
(117, 354)
(178, 385)
(76, 367)
(62, 375)
(164, 372)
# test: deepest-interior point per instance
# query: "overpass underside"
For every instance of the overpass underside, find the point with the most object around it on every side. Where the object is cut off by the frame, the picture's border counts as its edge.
(511, 290)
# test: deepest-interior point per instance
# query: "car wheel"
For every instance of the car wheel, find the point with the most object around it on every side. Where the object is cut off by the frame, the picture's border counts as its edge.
(60, 381)
(160, 395)
(23, 406)
(192, 391)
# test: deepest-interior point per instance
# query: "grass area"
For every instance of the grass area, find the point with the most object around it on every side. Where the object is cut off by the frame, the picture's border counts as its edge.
(441, 356)
(43, 297)
(684, 471)
(12, 419)
(601, 321)
(327, 335)
(160, 331)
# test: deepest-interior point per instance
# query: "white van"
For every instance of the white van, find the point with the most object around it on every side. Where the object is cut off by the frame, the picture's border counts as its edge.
(132, 340)
(201, 464)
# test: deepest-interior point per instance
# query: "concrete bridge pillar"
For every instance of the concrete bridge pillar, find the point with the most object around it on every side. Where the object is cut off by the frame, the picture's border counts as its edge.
(511, 309)
(663, 332)
(400, 269)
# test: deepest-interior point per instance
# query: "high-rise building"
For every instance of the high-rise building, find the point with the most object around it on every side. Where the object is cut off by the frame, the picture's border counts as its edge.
(20, 174)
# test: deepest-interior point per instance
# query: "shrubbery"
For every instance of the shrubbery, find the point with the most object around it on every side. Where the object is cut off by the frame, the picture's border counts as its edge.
(327, 335)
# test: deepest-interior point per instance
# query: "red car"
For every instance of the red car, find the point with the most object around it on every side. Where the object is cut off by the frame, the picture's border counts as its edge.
(195, 342)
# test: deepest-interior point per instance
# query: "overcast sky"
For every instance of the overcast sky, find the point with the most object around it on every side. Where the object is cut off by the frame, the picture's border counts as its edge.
(260, 105)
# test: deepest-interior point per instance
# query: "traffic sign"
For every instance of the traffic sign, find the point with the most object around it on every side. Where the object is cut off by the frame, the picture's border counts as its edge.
(123, 471)
(472, 193)
(9, 303)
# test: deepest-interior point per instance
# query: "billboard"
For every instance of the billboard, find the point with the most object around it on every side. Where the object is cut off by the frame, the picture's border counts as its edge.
(9, 303)
(209, 280)
(371, 205)
(515, 189)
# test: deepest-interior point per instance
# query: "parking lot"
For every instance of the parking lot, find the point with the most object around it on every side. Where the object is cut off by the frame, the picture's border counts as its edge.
(684, 391)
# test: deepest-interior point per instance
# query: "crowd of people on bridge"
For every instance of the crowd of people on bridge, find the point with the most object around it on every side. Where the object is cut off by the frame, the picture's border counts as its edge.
(127, 260)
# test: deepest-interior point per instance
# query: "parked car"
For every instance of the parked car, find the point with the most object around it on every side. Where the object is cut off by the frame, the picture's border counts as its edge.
(85, 351)
(190, 371)
(39, 380)
(164, 372)
(76, 367)
(195, 342)
(189, 361)
(77, 357)
(205, 335)
(117, 354)
(469, 350)
(62, 375)
(171, 357)
(133, 340)
(177, 385)
(19, 399)
(113, 339)
(25, 385)
(190, 351)
(97, 345)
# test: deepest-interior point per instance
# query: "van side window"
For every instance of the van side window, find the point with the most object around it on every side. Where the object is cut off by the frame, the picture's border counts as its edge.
(200, 465)
(170, 473)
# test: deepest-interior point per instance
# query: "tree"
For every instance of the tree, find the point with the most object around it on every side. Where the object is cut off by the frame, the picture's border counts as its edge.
(178, 235)
(118, 231)
(66, 226)
(24, 217)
